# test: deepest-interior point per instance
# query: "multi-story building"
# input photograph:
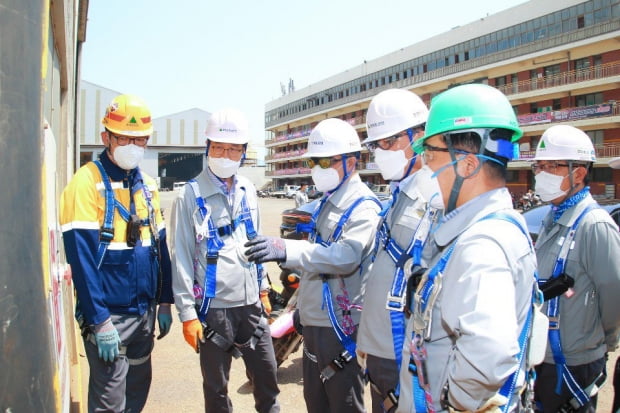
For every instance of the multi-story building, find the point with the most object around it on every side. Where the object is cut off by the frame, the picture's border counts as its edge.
(557, 61)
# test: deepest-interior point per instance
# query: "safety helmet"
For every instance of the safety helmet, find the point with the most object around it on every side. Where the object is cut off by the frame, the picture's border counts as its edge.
(128, 115)
(473, 106)
(332, 137)
(392, 111)
(565, 142)
(228, 126)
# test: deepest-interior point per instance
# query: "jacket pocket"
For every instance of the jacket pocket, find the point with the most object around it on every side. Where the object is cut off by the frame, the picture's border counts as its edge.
(117, 279)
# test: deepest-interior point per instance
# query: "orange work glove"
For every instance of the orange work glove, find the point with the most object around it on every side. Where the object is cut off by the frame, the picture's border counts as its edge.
(264, 298)
(192, 331)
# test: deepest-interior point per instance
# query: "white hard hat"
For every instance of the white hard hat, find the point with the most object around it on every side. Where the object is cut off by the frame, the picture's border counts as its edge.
(227, 126)
(393, 111)
(565, 142)
(332, 137)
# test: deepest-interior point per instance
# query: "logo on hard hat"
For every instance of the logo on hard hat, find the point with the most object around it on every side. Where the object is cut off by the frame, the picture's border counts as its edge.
(228, 130)
(466, 120)
(376, 124)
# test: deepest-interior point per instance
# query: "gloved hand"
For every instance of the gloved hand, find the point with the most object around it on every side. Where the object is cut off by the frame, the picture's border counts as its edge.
(264, 298)
(192, 331)
(264, 248)
(164, 319)
(108, 340)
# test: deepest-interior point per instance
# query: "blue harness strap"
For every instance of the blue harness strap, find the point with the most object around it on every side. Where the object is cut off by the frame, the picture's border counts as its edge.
(395, 302)
(553, 312)
(106, 233)
(214, 245)
(343, 336)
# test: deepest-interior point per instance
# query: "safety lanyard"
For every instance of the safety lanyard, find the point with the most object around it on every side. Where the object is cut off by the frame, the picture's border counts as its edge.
(209, 232)
(422, 314)
(553, 312)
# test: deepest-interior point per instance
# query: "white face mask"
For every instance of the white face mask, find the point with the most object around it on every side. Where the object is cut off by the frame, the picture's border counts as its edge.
(391, 163)
(128, 156)
(223, 167)
(428, 187)
(325, 179)
(548, 186)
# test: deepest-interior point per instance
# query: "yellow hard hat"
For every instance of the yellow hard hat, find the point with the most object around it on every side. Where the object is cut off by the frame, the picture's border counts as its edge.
(128, 115)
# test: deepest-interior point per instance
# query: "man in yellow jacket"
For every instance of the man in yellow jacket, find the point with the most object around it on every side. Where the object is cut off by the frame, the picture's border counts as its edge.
(115, 242)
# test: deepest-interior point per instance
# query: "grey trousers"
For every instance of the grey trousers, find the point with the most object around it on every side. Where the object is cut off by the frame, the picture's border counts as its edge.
(122, 385)
(383, 375)
(237, 325)
(544, 389)
(344, 391)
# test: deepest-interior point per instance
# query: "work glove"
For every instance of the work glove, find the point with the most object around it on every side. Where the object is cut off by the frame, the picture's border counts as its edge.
(108, 340)
(192, 331)
(264, 248)
(264, 298)
(164, 319)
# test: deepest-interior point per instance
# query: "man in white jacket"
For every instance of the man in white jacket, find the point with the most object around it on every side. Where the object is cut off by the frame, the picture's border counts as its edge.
(463, 338)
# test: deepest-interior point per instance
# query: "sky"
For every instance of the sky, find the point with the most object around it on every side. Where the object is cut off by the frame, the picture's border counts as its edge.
(185, 54)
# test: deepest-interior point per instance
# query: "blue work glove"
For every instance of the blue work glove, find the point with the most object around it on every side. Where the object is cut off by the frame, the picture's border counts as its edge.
(264, 248)
(108, 341)
(164, 319)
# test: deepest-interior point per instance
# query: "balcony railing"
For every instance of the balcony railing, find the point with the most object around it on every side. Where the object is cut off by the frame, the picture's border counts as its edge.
(562, 79)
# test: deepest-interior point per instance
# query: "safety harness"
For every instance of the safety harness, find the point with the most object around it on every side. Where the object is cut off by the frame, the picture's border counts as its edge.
(208, 232)
(106, 233)
(580, 396)
(422, 317)
(346, 330)
(405, 259)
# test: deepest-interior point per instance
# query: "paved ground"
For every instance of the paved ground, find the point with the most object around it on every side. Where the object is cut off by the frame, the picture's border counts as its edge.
(177, 382)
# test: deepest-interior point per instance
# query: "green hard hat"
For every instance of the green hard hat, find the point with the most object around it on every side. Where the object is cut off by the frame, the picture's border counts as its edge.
(469, 106)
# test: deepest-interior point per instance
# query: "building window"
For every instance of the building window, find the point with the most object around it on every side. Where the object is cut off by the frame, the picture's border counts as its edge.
(589, 99)
(597, 137)
(557, 104)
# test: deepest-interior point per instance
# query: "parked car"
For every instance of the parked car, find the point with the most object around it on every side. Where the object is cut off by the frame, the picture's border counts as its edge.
(534, 216)
(291, 190)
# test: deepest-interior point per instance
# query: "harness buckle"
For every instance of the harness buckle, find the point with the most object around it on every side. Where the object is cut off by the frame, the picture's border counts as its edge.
(212, 258)
(390, 401)
(106, 234)
(554, 323)
(395, 302)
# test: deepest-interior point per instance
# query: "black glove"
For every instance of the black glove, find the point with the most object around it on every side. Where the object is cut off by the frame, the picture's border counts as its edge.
(264, 248)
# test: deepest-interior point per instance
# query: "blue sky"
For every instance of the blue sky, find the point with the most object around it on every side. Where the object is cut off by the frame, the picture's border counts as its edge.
(183, 54)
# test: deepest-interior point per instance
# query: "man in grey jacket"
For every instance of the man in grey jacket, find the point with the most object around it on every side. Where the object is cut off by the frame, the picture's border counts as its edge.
(579, 268)
(216, 288)
(342, 234)
(463, 338)
(395, 118)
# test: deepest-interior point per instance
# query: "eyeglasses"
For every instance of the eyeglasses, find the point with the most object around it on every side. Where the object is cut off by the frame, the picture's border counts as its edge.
(324, 163)
(548, 167)
(234, 152)
(385, 143)
(125, 140)
(428, 150)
